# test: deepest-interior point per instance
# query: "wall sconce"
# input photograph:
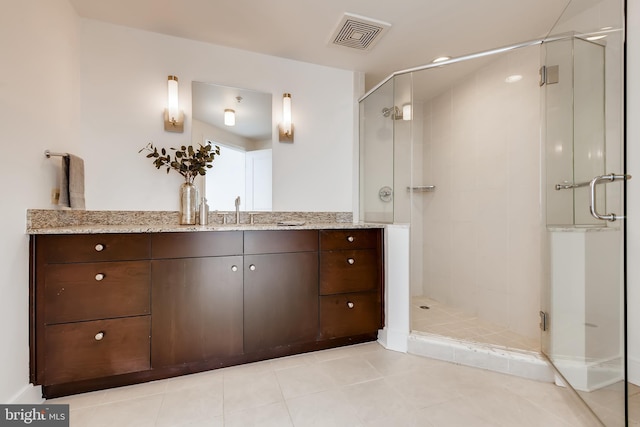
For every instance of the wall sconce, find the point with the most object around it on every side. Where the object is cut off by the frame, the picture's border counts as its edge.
(286, 128)
(229, 117)
(173, 117)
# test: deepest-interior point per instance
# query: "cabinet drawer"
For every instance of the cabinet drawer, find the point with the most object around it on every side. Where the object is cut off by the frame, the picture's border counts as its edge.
(348, 271)
(93, 247)
(331, 240)
(195, 245)
(349, 314)
(280, 241)
(76, 292)
(74, 351)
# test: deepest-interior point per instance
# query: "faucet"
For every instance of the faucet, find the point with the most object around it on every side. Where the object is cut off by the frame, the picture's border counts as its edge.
(238, 210)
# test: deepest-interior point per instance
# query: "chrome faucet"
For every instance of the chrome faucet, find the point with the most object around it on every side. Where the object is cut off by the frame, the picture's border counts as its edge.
(238, 210)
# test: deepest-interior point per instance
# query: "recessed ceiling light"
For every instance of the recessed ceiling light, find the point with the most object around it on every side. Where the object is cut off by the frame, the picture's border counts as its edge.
(513, 78)
(594, 38)
(441, 59)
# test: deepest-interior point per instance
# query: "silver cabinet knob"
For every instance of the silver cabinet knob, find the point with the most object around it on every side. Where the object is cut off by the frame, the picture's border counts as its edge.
(252, 267)
(99, 277)
(351, 261)
(350, 304)
(234, 268)
(99, 336)
(99, 247)
(350, 238)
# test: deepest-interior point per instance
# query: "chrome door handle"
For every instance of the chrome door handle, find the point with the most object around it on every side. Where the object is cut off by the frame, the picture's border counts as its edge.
(595, 181)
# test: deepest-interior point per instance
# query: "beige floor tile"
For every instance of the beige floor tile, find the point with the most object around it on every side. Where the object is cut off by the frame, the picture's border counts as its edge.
(327, 408)
(303, 380)
(421, 389)
(274, 415)
(292, 361)
(415, 418)
(392, 362)
(384, 388)
(457, 413)
(136, 412)
(347, 351)
(78, 401)
(350, 370)
(190, 405)
(376, 399)
(242, 392)
(134, 391)
(211, 381)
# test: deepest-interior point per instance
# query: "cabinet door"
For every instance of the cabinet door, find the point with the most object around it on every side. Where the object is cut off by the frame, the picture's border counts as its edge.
(280, 299)
(196, 308)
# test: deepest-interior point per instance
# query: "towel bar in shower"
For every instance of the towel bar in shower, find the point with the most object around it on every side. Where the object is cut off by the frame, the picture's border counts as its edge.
(422, 188)
(48, 154)
(570, 185)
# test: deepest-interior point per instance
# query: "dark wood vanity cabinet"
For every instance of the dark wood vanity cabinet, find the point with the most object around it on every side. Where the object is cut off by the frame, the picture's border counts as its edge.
(90, 306)
(280, 288)
(116, 309)
(350, 282)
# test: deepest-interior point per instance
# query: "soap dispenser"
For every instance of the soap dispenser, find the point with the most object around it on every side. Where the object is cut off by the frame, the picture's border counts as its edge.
(204, 212)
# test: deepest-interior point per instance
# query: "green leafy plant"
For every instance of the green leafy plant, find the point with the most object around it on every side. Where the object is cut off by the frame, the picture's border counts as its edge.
(187, 161)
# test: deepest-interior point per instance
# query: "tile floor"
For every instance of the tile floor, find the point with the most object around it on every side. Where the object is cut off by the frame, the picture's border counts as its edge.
(361, 385)
(441, 319)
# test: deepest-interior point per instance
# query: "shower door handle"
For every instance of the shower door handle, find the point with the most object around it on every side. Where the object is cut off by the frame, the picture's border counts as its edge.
(606, 179)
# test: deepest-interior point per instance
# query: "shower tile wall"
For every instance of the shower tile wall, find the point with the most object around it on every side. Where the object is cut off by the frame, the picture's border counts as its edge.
(482, 226)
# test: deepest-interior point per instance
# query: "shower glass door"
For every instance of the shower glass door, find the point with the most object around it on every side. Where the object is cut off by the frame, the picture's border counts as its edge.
(583, 312)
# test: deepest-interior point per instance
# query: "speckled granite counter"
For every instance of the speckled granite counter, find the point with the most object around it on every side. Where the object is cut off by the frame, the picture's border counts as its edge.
(41, 221)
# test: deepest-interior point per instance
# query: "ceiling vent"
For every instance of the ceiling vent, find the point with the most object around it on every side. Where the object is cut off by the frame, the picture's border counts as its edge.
(358, 32)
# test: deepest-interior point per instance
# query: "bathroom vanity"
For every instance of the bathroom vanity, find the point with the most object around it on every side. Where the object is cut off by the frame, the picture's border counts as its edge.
(116, 308)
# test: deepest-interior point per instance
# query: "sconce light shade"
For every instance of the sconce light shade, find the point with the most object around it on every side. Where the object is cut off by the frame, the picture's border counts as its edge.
(229, 117)
(406, 112)
(173, 117)
(286, 128)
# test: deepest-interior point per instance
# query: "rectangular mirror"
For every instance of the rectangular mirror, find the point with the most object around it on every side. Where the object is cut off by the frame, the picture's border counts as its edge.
(244, 166)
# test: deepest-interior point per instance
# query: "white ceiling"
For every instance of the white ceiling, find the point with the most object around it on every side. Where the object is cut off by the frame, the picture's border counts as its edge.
(300, 29)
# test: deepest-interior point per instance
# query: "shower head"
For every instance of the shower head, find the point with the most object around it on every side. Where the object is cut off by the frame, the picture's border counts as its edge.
(394, 112)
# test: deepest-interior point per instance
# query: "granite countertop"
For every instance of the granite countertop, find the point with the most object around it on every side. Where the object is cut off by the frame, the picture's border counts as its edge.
(41, 221)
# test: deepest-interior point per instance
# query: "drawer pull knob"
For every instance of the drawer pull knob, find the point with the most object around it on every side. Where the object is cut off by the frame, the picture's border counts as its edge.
(234, 268)
(99, 277)
(99, 336)
(252, 267)
(351, 261)
(99, 247)
(350, 304)
(350, 239)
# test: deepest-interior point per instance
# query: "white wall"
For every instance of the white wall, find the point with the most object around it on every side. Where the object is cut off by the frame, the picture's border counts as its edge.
(39, 106)
(54, 63)
(633, 199)
(124, 74)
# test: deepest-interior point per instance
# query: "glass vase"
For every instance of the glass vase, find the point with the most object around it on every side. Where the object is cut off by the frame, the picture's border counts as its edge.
(188, 203)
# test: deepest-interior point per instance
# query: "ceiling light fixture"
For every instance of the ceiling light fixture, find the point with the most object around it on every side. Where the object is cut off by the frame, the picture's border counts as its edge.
(594, 38)
(441, 59)
(229, 117)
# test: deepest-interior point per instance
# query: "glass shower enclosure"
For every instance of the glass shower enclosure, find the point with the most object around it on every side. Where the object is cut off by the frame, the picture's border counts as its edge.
(508, 166)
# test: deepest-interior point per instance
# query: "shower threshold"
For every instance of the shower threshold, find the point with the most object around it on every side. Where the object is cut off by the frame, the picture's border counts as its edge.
(445, 333)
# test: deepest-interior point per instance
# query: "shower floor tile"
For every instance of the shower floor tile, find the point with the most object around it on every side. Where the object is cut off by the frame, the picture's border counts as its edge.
(441, 319)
